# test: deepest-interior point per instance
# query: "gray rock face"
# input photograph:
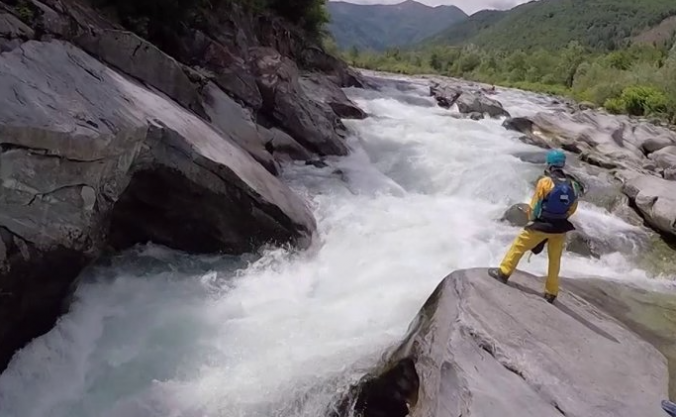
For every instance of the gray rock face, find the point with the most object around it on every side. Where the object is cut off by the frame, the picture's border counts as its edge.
(90, 158)
(141, 59)
(285, 102)
(13, 32)
(665, 159)
(320, 89)
(284, 148)
(650, 314)
(481, 348)
(655, 199)
(236, 123)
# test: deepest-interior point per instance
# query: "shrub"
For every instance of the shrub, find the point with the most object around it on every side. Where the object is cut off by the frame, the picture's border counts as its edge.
(642, 100)
(615, 105)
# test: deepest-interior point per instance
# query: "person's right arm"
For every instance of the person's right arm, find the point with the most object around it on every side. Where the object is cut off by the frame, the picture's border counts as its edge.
(543, 186)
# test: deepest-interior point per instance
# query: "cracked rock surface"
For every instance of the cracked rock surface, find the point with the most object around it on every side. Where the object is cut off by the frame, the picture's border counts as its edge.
(481, 349)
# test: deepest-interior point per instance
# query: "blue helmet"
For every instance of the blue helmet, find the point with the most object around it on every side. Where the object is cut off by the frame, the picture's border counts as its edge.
(556, 158)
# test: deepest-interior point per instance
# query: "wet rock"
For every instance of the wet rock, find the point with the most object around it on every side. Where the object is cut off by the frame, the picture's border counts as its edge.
(655, 199)
(535, 157)
(285, 102)
(91, 159)
(445, 95)
(518, 124)
(283, 147)
(650, 314)
(141, 59)
(236, 123)
(318, 88)
(579, 243)
(479, 103)
(516, 215)
(474, 353)
(476, 116)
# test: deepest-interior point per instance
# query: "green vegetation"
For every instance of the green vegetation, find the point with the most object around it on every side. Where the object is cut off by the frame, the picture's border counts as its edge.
(381, 26)
(553, 24)
(164, 21)
(639, 80)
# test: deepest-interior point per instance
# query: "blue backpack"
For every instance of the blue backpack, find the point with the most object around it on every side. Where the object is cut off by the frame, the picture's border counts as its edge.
(562, 197)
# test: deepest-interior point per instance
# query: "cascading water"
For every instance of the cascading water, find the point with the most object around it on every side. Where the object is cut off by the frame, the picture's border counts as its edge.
(157, 333)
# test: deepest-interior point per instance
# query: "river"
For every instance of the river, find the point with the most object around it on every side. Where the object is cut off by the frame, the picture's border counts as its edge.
(155, 333)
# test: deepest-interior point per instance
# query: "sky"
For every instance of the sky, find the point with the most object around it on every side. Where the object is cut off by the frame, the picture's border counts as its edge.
(469, 6)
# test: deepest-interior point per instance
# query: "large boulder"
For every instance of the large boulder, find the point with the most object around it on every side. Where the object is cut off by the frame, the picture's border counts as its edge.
(91, 159)
(479, 103)
(649, 313)
(285, 102)
(445, 95)
(655, 199)
(665, 159)
(482, 348)
(320, 89)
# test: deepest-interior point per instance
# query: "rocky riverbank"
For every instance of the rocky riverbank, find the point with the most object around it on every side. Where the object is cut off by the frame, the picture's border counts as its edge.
(107, 141)
(637, 157)
(482, 348)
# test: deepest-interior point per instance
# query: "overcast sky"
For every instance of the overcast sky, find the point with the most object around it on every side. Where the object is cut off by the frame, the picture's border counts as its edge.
(469, 6)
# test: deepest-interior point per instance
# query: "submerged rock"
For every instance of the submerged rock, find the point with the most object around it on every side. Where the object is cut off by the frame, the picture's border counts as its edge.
(89, 159)
(481, 348)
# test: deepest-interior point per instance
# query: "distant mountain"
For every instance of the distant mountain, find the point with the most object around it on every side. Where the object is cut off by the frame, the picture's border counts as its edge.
(465, 30)
(381, 26)
(598, 24)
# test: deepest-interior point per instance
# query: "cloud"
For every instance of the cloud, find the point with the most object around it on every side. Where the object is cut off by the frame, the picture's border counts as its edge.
(469, 6)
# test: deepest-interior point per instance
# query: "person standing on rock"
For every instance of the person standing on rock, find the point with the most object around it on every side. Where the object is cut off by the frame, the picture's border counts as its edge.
(554, 201)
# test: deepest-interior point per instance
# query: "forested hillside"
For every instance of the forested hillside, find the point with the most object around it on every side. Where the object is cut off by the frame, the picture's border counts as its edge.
(597, 24)
(380, 26)
(462, 31)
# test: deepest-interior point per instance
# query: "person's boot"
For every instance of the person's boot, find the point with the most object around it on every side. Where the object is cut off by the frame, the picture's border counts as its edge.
(497, 274)
(550, 298)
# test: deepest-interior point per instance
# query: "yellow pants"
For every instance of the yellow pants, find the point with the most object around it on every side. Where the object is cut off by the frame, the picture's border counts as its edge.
(527, 240)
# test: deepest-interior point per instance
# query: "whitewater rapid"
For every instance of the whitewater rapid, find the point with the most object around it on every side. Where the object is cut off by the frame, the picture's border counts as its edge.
(160, 334)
